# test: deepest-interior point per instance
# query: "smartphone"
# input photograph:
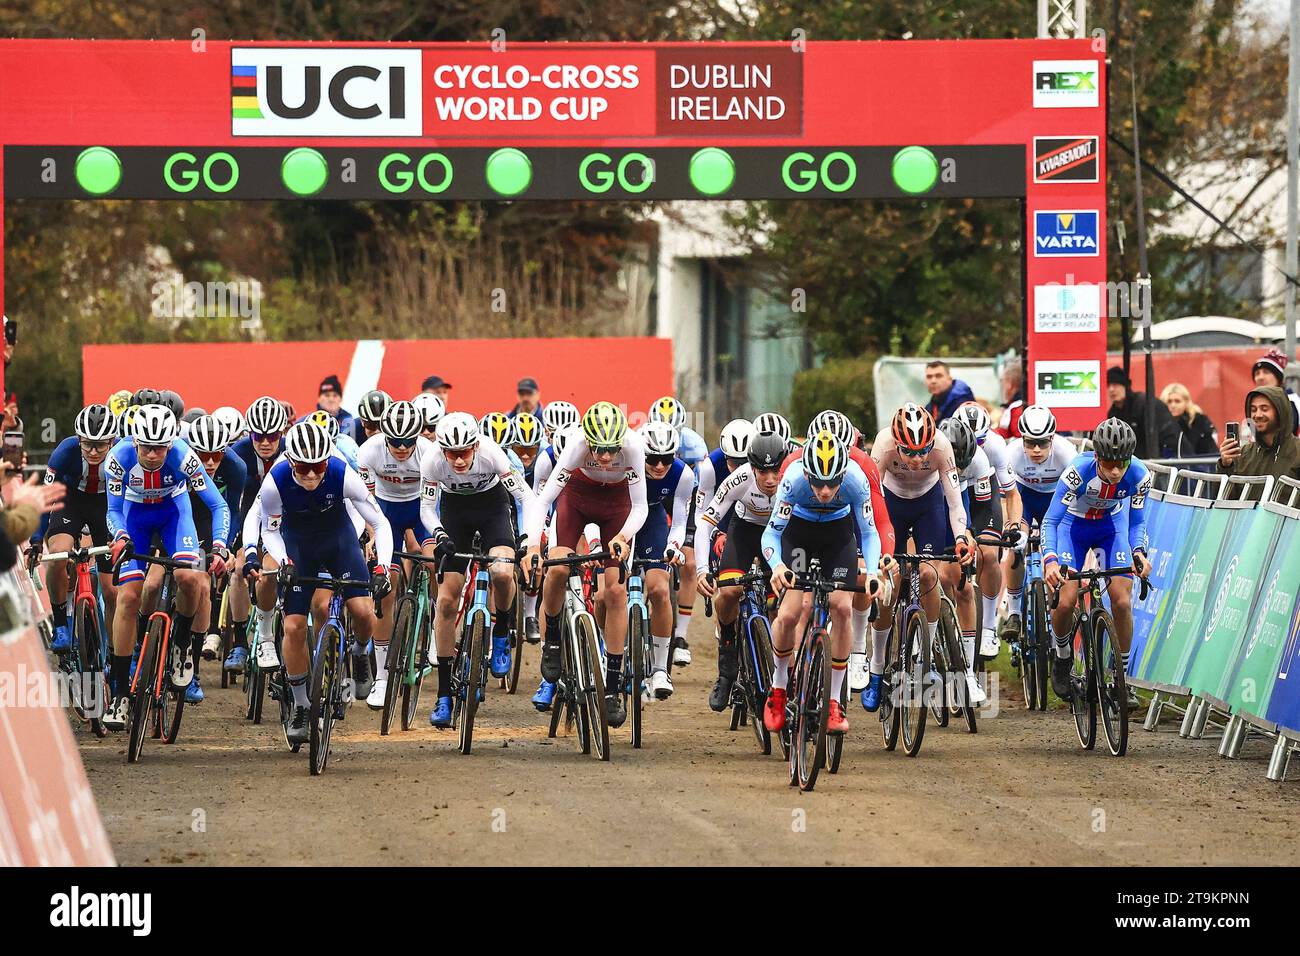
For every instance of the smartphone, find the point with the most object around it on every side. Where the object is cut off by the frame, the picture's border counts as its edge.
(1234, 432)
(13, 450)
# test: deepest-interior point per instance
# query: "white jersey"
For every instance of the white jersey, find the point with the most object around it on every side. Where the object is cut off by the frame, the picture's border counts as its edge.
(386, 477)
(252, 530)
(627, 467)
(978, 472)
(1041, 478)
(740, 491)
(897, 478)
(995, 447)
(491, 467)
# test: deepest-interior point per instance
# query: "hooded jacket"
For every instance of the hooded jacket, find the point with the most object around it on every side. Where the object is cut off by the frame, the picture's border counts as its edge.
(1281, 459)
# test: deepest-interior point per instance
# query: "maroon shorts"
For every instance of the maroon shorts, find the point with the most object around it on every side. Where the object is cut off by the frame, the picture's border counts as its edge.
(585, 502)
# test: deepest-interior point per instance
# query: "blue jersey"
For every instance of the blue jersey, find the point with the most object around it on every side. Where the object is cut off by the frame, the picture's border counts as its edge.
(70, 469)
(229, 480)
(1082, 496)
(321, 511)
(694, 448)
(796, 498)
(131, 486)
(659, 492)
(255, 467)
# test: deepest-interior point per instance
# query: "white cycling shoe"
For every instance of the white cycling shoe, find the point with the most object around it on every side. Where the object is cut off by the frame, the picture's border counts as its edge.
(375, 699)
(859, 673)
(182, 666)
(211, 646)
(659, 686)
(267, 658)
(681, 655)
(990, 644)
(973, 689)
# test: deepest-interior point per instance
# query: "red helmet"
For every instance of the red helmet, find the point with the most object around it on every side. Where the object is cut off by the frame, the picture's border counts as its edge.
(913, 429)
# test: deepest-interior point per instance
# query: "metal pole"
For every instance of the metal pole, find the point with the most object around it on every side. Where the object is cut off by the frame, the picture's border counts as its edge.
(1292, 190)
(1143, 289)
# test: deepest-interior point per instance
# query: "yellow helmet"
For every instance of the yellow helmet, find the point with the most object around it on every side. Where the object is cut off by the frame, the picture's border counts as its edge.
(604, 425)
(497, 426)
(825, 458)
(118, 401)
(326, 421)
(528, 430)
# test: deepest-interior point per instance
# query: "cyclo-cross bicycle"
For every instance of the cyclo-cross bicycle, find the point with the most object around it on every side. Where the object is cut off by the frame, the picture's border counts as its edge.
(1097, 677)
(470, 669)
(950, 698)
(84, 664)
(1004, 541)
(580, 689)
(808, 701)
(510, 683)
(909, 674)
(408, 651)
(220, 604)
(330, 684)
(754, 632)
(156, 702)
(1031, 645)
(256, 678)
(639, 652)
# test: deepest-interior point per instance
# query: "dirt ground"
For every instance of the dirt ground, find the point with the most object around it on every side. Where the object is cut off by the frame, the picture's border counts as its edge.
(1021, 791)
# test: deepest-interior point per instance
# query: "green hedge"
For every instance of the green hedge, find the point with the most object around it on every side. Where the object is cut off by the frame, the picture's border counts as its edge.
(842, 384)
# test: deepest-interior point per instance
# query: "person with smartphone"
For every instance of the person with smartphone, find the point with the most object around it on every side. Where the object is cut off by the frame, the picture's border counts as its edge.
(1275, 449)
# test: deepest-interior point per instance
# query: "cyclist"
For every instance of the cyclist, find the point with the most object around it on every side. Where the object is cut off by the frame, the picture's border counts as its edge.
(977, 493)
(391, 467)
(599, 479)
(306, 529)
(267, 421)
(432, 408)
(1100, 502)
(747, 493)
(210, 437)
(770, 423)
(818, 504)
(78, 463)
(1038, 459)
(669, 484)
(922, 488)
(838, 424)
(148, 478)
(233, 419)
(466, 489)
(991, 518)
(370, 414)
(558, 417)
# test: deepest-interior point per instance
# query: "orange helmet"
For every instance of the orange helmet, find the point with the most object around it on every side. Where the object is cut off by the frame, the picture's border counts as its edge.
(913, 429)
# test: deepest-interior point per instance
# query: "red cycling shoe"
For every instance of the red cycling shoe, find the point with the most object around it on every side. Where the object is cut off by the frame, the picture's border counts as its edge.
(836, 722)
(774, 710)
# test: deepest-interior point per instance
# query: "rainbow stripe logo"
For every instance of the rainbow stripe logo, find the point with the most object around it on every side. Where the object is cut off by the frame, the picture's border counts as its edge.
(243, 93)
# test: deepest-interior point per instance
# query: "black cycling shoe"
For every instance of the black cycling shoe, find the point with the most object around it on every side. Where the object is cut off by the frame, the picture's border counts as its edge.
(532, 633)
(551, 660)
(296, 731)
(1061, 676)
(615, 712)
(1011, 627)
(720, 696)
(362, 681)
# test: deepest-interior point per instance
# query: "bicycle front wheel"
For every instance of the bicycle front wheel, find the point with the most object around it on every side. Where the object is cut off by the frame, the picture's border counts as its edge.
(634, 670)
(142, 698)
(813, 709)
(92, 679)
(915, 665)
(940, 651)
(592, 682)
(398, 666)
(891, 683)
(760, 668)
(1083, 696)
(1112, 689)
(471, 665)
(324, 677)
(1039, 638)
(516, 639)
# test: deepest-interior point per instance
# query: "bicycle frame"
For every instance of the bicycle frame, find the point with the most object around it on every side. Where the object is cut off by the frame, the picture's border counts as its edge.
(417, 590)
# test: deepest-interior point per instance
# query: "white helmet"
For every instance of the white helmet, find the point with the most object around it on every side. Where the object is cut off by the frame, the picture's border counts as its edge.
(660, 438)
(430, 407)
(154, 425)
(267, 416)
(401, 422)
(557, 416)
(669, 410)
(308, 443)
(770, 423)
(458, 431)
(837, 423)
(976, 418)
(96, 423)
(736, 436)
(209, 434)
(562, 438)
(234, 420)
(1037, 422)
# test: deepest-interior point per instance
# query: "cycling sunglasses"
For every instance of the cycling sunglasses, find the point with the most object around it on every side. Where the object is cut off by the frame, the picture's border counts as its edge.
(915, 453)
(95, 447)
(606, 449)
(819, 483)
(401, 442)
(154, 449)
(266, 436)
(1037, 442)
(209, 457)
(305, 468)
(659, 461)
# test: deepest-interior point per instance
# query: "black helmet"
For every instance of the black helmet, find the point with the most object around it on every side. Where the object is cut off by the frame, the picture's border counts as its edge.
(373, 405)
(191, 414)
(146, 396)
(1114, 440)
(173, 401)
(961, 437)
(766, 450)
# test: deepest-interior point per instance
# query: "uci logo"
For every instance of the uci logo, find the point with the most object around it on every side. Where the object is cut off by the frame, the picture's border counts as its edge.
(332, 92)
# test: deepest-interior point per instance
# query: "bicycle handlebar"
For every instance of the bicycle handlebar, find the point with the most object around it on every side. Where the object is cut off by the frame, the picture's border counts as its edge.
(76, 554)
(575, 561)
(1144, 586)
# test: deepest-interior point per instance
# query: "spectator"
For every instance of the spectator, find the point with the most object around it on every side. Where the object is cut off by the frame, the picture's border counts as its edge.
(947, 394)
(530, 397)
(1275, 450)
(1131, 407)
(24, 503)
(1196, 436)
(331, 400)
(1271, 370)
(1013, 400)
(437, 386)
